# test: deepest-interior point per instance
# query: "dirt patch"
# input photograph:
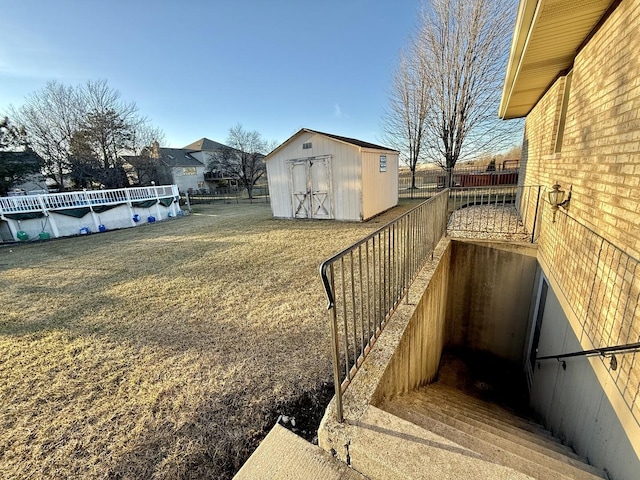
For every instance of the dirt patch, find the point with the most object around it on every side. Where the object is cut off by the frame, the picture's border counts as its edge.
(303, 415)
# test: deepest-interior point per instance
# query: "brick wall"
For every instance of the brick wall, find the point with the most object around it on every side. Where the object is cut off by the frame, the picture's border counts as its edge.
(600, 154)
(592, 250)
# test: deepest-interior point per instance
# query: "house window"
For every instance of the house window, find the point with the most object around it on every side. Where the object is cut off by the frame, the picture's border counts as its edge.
(189, 171)
(383, 163)
(306, 146)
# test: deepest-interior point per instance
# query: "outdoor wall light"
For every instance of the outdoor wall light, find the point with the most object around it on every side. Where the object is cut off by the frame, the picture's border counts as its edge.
(557, 200)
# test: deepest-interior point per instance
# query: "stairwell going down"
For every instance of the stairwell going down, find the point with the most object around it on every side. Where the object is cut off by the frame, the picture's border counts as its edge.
(485, 433)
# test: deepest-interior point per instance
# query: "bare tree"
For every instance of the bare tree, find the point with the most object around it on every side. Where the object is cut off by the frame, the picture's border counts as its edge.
(82, 131)
(17, 160)
(51, 116)
(404, 121)
(466, 48)
(242, 159)
(457, 59)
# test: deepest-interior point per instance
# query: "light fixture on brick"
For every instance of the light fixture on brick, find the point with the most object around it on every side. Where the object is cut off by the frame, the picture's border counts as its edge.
(556, 199)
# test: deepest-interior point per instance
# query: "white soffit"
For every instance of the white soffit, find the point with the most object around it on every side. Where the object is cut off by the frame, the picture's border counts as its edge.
(546, 39)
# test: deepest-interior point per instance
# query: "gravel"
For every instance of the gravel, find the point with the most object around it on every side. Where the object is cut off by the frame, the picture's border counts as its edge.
(488, 222)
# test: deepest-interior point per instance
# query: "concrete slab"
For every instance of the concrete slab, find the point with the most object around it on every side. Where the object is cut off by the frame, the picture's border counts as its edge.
(283, 455)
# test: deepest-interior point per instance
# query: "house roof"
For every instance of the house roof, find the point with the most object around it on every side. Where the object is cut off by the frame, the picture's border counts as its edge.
(179, 157)
(548, 35)
(25, 156)
(204, 144)
(351, 141)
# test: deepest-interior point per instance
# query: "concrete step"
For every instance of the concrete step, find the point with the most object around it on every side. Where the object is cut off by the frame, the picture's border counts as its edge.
(485, 405)
(538, 469)
(503, 417)
(500, 416)
(415, 407)
(443, 411)
(385, 447)
(283, 455)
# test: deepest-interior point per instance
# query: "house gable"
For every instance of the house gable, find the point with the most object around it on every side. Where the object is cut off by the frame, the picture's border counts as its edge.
(205, 144)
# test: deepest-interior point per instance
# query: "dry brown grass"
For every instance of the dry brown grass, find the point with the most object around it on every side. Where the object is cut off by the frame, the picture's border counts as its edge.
(164, 351)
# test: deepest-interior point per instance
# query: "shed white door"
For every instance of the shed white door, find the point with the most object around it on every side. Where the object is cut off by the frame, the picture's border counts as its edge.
(311, 188)
(301, 194)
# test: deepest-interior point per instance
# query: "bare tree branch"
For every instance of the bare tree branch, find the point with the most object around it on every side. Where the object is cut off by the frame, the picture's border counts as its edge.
(242, 159)
(84, 132)
(456, 61)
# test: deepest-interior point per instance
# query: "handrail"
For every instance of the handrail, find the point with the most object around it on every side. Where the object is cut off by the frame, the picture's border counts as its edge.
(365, 283)
(325, 265)
(604, 351)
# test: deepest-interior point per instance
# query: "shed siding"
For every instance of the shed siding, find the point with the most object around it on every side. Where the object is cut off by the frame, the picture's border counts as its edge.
(347, 180)
(279, 186)
(379, 189)
(358, 189)
(345, 175)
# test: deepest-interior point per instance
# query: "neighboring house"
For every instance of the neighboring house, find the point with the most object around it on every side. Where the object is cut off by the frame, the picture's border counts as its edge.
(33, 184)
(205, 150)
(19, 164)
(222, 163)
(325, 176)
(192, 168)
(573, 74)
(187, 172)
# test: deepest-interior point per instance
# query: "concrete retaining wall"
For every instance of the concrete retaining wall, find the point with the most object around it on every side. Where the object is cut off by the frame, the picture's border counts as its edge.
(442, 302)
(416, 358)
(490, 289)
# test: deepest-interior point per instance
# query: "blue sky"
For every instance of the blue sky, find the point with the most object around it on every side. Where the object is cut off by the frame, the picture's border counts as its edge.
(196, 68)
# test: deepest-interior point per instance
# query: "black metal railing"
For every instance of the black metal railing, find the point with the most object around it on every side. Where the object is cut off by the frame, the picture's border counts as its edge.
(365, 283)
(495, 212)
(228, 194)
(603, 352)
(601, 283)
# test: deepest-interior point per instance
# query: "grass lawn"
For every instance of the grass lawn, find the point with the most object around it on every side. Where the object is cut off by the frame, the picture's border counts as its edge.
(164, 351)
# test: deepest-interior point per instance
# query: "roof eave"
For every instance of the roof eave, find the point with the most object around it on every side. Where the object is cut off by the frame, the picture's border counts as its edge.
(547, 37)
(527, 12)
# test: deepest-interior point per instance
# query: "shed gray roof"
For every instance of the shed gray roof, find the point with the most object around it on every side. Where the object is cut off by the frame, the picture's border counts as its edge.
(25, 156)
(205, 144)
(352, 141)
(179, 157)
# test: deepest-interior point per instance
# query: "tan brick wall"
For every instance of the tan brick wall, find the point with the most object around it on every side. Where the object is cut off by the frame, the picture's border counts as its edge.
(600, 154)
(592, 253)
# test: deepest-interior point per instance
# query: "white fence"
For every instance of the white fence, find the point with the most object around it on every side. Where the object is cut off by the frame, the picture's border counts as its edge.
(73, 213)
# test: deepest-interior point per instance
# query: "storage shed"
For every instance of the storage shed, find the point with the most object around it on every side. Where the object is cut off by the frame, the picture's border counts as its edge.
(320, 175)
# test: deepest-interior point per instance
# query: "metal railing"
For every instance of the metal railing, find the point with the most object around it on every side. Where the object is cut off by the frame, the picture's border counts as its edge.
(495, 212)
(603, 352)
(260, 194)
(366, 282)
(430, 182)
(67, 200)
